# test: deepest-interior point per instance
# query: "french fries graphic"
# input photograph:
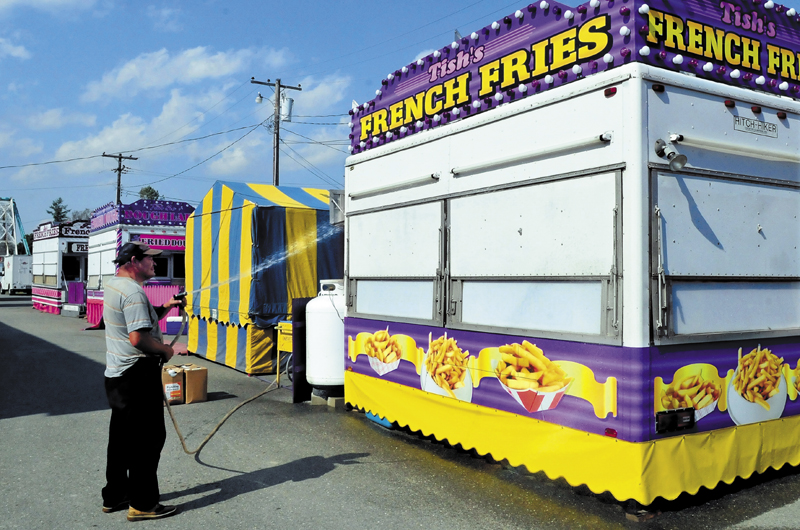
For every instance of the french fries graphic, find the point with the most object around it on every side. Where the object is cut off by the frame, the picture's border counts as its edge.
(758, 376)
(383, 347)
(446, 364)
(692, 392)
(525, 367)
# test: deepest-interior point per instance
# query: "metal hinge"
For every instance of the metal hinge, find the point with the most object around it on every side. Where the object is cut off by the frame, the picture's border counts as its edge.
(661, 317)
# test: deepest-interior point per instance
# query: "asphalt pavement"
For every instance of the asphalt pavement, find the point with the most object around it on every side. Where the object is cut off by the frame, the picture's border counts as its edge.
(275, 464)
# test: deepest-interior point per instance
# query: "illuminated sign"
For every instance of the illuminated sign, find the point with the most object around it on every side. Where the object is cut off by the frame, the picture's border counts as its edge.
(48, 230)
(142, 213)
(547, 45)
(162, 242)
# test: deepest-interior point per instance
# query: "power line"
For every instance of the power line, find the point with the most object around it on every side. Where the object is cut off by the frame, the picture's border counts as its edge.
(330, 179)
(313, 141)
(52, 162)
(207, 110)
(209, 158)
(317, 123)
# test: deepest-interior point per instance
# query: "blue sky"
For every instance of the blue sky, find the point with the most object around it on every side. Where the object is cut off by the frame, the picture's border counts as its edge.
(83, 77)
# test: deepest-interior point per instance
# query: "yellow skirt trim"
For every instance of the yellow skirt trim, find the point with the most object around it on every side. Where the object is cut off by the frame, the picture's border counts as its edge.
(640, 471)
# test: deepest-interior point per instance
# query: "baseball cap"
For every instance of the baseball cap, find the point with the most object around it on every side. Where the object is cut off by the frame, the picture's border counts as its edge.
(136, 250)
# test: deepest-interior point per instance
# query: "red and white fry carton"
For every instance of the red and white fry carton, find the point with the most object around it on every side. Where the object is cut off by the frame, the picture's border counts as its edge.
(383, 368)
(535, 401)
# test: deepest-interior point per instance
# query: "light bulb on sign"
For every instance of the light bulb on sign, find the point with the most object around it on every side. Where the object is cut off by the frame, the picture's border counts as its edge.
(678, 59)
(569, 15)
(544, 5)
(519, 14)
(644, 51)
(708, 67)
(499, 96)
(549, 79)
(608, 58)
(474, 36)
(595, 3)
(784, 86)
(624, 31)
(760, 80)
(644, 9)
(736, 74)
(523, 88)
(577, 69)
(476, 104)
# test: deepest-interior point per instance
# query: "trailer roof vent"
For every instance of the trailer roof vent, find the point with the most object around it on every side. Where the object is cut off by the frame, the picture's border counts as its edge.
(610, 91)
(781, 115)
(730, 103)
(658, 88)
(756, 109)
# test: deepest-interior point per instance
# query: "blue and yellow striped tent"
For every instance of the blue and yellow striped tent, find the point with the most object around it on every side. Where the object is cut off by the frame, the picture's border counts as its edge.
(251, 249)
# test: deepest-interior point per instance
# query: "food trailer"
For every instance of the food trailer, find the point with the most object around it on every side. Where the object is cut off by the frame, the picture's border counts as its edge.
(159, 224)
(250, 250)
(59, 267)
(572, 243)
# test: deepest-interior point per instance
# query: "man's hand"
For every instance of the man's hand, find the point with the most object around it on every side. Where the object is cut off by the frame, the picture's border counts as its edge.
(174, 302)
(168, 352)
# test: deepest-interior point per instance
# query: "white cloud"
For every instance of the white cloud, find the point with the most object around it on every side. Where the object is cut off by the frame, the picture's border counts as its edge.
(13, 144)
(165, 19)
(47, 5)
(320, 95)
(56, 118)
(159, 70)
(125, 132)
(9, 50)
(423, 54)
(179, 116)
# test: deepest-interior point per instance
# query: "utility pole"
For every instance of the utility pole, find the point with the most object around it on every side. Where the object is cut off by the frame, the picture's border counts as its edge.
(119, 170)
(276, 134)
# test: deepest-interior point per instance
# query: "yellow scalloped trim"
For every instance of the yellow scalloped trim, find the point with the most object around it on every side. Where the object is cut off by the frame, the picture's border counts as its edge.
(641, 471)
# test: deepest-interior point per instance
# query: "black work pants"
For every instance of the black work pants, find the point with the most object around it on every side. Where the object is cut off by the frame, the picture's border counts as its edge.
(136, 435)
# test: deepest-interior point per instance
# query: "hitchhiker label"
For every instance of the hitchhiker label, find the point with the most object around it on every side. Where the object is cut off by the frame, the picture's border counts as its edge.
(749, 125)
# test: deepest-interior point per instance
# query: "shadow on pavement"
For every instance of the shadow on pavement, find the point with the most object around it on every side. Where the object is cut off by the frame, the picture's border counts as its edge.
(302, 469)
(38, 377)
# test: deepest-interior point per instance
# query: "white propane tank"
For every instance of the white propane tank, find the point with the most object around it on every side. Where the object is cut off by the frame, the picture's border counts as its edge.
(325, 335)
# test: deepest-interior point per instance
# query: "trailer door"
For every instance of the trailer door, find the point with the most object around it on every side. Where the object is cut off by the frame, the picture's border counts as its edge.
(726, 257)
(542, 258)
(394, 265)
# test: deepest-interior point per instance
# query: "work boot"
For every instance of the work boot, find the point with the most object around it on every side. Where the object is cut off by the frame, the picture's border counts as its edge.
(157, 512)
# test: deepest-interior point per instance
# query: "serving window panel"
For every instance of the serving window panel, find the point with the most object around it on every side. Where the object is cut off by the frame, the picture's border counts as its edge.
(394, 263)
(540, 258)
(726, 257)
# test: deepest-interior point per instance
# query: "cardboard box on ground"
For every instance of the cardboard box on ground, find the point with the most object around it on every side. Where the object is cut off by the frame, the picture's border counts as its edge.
(184, 383)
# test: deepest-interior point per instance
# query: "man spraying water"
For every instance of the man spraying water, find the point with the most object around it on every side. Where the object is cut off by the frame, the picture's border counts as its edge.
(134, 353)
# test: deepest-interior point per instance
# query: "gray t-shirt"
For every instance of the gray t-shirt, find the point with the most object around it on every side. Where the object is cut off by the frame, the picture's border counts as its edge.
(126, 309)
